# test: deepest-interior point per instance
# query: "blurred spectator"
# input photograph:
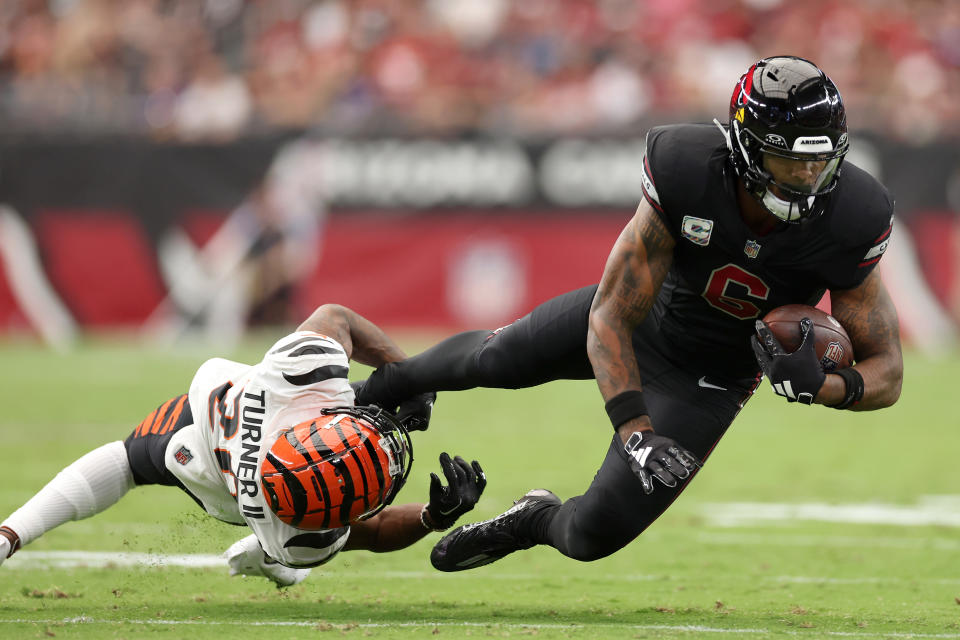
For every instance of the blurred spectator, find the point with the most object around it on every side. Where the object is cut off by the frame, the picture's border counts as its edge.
(247, 271)
(218, 69)
(214, 105)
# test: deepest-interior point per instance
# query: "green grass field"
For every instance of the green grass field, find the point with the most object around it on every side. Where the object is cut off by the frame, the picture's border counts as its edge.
(856, 529)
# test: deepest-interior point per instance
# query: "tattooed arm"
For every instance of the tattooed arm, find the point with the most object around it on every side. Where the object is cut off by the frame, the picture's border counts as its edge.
(635, 270)
(868, 315)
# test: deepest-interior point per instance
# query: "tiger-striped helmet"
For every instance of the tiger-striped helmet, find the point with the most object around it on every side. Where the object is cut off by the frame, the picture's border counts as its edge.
(342, 467)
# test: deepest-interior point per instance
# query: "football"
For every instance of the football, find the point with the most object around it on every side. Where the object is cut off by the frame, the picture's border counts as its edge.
(832, 343)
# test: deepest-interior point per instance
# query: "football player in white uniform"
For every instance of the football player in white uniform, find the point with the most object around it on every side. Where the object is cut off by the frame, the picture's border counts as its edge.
(277, 446)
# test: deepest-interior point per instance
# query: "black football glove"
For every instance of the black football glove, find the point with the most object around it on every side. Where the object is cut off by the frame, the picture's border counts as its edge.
(360, 397)
(654, 456)
(796, 376)
(465, 483)
(414, 413)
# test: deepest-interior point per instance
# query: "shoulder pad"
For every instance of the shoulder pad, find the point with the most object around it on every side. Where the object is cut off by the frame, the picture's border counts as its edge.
(304, 358)
(677, 166)
(861, 212)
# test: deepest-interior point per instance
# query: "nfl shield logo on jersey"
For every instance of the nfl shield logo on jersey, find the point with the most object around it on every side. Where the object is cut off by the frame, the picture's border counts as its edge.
(752, 248)
(697, 230)
(183, 455)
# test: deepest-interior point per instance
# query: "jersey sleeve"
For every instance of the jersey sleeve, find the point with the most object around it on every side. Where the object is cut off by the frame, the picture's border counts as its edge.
(649, 182)
(863, 223)
(307, 362)
(297, 548)
(869, 255)
(675, 170)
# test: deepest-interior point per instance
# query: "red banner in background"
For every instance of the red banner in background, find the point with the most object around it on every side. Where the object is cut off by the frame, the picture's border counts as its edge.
(460, 271)
(469, 270)
(102, 264)
(443, 233)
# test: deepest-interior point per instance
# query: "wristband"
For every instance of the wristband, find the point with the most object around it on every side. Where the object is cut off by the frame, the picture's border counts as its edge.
(423, 521)
(12, 537)
(854, 382)
(625, 406)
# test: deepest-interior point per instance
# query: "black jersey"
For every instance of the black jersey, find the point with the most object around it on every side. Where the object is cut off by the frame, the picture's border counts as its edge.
(724, 276)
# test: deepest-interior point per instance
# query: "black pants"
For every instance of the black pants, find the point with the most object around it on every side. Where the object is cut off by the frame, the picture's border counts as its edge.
(550, 344)
(147, 445)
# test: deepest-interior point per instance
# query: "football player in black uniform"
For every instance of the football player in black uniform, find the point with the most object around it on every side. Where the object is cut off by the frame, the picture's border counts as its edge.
(736, 220)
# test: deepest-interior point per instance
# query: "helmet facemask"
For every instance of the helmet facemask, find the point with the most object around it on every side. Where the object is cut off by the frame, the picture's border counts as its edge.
(791, 185)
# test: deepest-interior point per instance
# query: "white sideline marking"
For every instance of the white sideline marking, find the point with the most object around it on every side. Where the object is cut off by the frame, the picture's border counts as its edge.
(930, 510)
(881, 542)
(101, 559)
(105, 559)
(489, 625)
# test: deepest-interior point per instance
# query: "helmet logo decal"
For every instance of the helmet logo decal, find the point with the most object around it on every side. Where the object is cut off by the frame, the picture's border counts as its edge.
(776, 140)
(752, 248)
(739, 115)
(697, 230)
(812, 143)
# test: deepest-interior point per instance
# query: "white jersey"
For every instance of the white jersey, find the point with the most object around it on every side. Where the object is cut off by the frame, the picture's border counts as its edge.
(238, 411)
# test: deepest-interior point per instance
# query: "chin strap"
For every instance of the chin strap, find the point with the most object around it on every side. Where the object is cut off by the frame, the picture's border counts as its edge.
(725, 133)
(783, 209)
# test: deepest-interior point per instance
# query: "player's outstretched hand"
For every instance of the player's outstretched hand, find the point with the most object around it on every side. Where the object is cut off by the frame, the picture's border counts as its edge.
(796, 376)
(414, 413)
(465, 484)
(655, 456)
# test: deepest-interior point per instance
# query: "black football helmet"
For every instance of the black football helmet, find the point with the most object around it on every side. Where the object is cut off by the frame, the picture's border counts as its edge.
(787, 136)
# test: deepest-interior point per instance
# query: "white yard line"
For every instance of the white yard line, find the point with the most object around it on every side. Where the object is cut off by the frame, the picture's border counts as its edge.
(807, 540)
(32, 560)
(102, 559)
(322, 624)
(941, 511)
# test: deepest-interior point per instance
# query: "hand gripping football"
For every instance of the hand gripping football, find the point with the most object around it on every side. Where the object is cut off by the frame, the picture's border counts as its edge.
(832, 343)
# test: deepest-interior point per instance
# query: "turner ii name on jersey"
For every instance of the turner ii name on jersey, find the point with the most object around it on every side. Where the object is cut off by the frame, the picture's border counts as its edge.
(239, 411)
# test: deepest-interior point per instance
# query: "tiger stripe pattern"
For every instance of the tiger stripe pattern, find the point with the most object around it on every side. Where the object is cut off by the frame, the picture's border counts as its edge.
(326, 473)
(162, 419)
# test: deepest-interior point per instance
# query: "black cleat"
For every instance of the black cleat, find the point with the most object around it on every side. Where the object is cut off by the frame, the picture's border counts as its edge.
(474, 545)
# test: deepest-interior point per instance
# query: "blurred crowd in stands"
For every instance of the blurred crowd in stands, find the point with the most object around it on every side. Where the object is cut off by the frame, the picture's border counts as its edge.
(219, 69)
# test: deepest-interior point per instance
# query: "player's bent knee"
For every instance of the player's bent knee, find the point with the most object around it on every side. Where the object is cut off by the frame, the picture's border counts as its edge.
(587, 548)
(499, 366)
(583, 543)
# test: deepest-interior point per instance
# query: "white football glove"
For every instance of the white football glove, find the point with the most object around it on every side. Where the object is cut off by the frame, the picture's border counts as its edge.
(246, 558)
(4, 548)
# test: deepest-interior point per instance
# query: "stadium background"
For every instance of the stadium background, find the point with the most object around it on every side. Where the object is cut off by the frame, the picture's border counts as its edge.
(438, 164)
(434, 164)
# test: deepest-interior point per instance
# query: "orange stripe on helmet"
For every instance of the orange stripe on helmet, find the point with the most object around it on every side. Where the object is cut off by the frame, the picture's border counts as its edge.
(327, 473)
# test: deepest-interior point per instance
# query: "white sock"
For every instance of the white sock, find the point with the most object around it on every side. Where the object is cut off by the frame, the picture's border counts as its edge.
(86, 487)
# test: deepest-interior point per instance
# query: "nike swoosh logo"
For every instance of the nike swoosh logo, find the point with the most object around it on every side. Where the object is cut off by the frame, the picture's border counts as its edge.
(706, 385)
(451, 509)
